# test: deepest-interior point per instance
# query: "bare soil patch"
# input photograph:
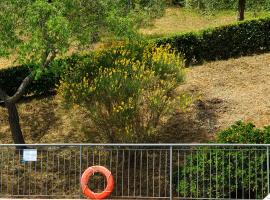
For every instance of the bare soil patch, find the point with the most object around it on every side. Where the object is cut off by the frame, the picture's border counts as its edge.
(228, 91)
(5, 62)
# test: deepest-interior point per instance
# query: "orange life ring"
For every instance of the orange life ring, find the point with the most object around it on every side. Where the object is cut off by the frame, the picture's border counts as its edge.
(85, 179)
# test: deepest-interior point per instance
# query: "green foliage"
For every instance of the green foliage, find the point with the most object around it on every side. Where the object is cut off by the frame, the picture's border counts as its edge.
(212, 44)
(216, 5)
(38, 30)
(234, 40)
(11, 78)
(176, 2)
(127, 16)
(211, 5)
(179, 2)
(235, 172)
(245, 134)
(126, 92)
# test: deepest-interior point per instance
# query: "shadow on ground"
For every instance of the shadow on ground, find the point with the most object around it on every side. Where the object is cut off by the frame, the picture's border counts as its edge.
(197, 124)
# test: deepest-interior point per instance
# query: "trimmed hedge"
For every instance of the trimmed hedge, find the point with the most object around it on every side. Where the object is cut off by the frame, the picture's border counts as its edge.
(234, 40)
(11, 78)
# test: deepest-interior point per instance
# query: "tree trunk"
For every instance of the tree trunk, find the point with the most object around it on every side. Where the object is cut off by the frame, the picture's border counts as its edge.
(13, 118)
(14, 122)
(241, 10)
(10, 102)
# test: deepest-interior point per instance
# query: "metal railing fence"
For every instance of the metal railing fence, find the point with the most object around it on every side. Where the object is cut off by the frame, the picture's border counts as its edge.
(156, 171)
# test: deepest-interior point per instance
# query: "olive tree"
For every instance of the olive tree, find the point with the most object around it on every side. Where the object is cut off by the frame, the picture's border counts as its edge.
(37, 31)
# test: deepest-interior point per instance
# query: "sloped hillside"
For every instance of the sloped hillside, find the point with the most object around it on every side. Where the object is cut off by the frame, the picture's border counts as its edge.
(237, 89)
(223, 91)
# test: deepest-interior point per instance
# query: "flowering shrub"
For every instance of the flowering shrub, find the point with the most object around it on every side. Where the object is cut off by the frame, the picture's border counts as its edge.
(127, 92)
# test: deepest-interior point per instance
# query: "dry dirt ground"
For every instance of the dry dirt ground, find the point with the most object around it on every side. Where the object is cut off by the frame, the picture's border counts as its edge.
(223, 91)
(237, 89)
(4, 63)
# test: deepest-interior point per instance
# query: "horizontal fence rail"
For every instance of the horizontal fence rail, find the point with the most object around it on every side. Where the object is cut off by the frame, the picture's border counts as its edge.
(152, 171)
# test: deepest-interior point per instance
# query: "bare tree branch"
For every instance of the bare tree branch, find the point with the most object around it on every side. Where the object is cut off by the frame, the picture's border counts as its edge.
(20, 91)
(51, 56)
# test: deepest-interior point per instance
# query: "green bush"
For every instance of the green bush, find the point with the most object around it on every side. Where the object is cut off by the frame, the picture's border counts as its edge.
(11, 78)
(125, 92)
(223, 42)
(216, 5)
(228, 172)
(211, 5)
(234, 40)
(177, 2)
(244, 134)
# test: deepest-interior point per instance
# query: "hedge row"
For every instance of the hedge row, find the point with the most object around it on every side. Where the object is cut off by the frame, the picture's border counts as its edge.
(244, 38)
(11, 78)
(234, 40)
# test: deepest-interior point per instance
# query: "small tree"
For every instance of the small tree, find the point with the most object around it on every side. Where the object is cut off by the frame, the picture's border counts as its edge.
(40, 30)
(216, 5)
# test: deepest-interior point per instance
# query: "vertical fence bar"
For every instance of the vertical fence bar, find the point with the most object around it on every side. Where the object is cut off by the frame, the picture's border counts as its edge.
(80, 160)
(171, 172)
(80, 170)
(268, 181)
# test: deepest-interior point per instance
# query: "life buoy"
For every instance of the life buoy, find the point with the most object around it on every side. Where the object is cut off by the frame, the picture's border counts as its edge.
(85, 179)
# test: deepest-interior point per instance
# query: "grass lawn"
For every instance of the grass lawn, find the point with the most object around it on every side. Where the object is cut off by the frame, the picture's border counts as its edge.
(178, 20)
(5, 62)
